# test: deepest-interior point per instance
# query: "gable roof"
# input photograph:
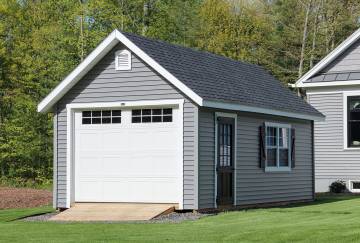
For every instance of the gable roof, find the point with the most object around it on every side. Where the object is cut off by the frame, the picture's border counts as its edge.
(207, 79)
(305, 80)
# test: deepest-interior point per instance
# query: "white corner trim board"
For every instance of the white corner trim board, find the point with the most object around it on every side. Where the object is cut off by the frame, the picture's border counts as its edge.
(71, 108)
(95, 56)
(230, 115)
(330, 57)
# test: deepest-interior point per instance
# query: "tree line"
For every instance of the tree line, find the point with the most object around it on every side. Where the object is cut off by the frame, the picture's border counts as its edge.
(41, 41)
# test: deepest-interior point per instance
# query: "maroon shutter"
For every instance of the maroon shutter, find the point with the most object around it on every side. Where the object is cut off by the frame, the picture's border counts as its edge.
(262, 152)
(292, 147)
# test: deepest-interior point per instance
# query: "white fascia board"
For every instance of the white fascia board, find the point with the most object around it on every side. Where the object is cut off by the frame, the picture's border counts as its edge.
(238, 107)
(95, 56)
(330, 57)
(156, 66)
(328, 84)
(100, 51)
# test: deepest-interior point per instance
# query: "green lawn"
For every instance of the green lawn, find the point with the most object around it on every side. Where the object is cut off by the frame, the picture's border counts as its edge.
(329, 219)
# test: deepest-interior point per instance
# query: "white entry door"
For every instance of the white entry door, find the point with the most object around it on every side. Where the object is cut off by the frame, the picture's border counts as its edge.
(130, 160)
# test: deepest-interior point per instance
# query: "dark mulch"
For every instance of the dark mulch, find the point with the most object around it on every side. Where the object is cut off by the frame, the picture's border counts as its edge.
(23, 197)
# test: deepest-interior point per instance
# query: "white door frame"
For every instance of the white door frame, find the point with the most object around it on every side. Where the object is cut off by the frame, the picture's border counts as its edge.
(71, 108)
(230, 115)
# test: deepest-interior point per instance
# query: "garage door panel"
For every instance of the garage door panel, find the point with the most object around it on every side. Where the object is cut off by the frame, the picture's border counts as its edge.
(120, 162)
(89, 189)
(127, 162)
(160, 191)
(153, 139)
(89, 165)
(114, 140)
(89, 141)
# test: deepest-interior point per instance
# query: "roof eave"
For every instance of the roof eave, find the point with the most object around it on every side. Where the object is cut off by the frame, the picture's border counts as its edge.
(328, 84)
(253, 109)
(329, 58)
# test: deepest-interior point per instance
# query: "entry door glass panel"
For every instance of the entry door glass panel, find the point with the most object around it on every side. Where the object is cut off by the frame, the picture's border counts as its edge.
(225, 161)
(225, 143)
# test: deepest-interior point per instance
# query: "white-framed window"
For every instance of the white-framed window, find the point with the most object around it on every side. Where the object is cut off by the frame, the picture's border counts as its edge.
(151, 115)
(101, 117)
(353, 121)
(354, 186)
(278, 147)
(123, 60)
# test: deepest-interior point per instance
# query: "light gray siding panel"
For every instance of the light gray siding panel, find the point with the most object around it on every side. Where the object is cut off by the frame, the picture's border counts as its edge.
(104, 84)
(332, 162)
(206, 159)
(348, 61)
(253, 185)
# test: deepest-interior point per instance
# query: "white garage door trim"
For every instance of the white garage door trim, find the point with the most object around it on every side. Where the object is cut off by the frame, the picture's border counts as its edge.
(70, 171)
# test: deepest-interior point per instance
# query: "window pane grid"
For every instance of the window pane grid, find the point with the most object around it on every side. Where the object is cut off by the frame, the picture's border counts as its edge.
(277, 146)
(152, 115)
(101, 117)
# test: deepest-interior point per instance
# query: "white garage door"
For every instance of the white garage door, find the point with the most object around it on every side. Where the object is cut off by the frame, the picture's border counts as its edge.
(128, 155)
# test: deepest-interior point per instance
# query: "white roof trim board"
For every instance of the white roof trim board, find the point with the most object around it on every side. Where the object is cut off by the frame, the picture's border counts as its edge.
(245, 108)
(95, 56)
(108, 43)
(327, 60)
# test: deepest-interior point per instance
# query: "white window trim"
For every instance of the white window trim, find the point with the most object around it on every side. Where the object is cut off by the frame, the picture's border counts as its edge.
(70, 110)
(123, 68)
(278, 168)
(230, 115)
(351, 186)
(346, 94)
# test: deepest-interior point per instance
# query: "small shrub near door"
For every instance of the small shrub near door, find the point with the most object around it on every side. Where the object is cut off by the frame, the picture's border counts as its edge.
(338, 186)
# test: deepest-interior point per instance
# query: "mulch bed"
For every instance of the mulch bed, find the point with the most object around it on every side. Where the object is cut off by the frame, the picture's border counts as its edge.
(23, 197)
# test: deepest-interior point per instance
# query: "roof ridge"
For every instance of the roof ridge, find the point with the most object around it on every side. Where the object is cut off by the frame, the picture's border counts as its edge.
(193, 49)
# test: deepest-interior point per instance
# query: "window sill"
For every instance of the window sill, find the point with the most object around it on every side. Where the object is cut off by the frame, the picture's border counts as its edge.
(277, 169)
(351, 148)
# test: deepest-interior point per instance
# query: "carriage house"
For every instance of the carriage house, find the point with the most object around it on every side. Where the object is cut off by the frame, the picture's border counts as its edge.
(140, 120)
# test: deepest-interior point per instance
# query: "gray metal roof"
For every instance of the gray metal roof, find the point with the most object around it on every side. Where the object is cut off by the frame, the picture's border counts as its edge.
(330, 77)
(218, 78)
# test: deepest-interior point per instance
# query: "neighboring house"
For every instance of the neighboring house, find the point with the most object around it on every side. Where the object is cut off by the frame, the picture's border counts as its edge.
(141, 120)
(333, 88)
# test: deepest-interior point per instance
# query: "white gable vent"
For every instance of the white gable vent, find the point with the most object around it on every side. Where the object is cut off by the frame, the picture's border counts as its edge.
(123, 60)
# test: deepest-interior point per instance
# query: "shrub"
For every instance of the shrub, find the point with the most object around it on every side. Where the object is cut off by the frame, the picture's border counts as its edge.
(338, 186)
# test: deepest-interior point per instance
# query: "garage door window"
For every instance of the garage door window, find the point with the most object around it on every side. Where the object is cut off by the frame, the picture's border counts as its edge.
(152, 115)
(101, 117)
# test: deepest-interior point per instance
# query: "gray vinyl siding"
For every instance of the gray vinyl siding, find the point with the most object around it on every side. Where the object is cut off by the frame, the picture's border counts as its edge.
(332, 162)
(206, 159)
(347, 61)
(103, 84)
(253, 185)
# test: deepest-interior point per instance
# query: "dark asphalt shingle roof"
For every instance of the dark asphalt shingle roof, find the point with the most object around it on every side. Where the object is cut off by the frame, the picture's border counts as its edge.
(217, 78)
